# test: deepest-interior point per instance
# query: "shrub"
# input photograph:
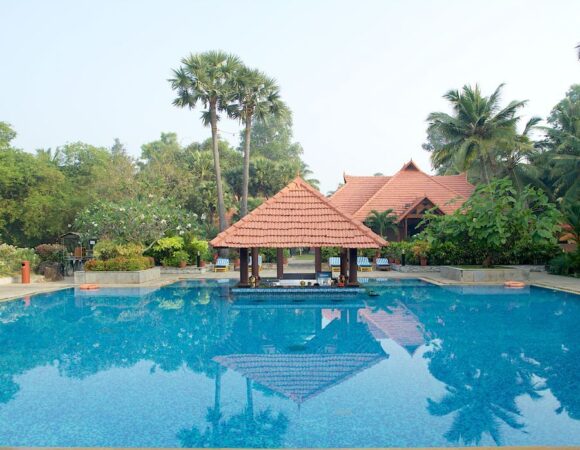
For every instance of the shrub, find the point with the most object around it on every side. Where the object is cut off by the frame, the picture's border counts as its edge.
(50, 252)
(193, 245)
(106, 250)
(329, 252)
(270, 255)
(11, 258)
(165, 247)
(119, 264)
(565, 264)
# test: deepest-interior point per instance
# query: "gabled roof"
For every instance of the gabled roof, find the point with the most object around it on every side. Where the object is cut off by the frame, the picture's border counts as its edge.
(298, 216)
(399, 324)
(299, 377)
(401, 191)
(356, 191)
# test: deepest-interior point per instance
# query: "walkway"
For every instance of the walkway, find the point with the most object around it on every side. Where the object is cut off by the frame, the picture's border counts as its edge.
(568, 284)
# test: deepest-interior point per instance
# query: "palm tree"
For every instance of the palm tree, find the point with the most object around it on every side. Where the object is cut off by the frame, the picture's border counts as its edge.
(206, 78)
(516, 158)
(381, 222)
(474, 130)
(258, 98)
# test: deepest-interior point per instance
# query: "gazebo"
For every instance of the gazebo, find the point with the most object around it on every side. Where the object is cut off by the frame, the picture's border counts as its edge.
(298, 216)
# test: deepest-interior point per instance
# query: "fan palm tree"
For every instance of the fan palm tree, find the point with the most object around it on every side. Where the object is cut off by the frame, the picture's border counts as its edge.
(474, 130)
(382, 222)
(258, 98)
(206, 78)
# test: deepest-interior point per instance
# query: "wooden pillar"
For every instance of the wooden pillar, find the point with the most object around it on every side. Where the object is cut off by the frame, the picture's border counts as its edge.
(244, 267)
(352, 271)
(317, 260)
(406, 231)
(343, 259)
(280, 263)
(255, 265)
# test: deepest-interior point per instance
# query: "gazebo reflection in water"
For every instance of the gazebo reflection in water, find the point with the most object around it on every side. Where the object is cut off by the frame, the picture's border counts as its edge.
(299, 350)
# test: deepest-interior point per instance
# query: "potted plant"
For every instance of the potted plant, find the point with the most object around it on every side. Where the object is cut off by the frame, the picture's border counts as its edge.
(181, 257)
(420, 250)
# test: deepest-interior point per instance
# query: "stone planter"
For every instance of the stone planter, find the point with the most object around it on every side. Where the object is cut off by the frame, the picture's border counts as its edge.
(476, 275)
(105, 277)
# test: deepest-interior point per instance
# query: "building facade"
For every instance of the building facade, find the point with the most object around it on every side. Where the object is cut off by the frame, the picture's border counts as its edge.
(409, 193)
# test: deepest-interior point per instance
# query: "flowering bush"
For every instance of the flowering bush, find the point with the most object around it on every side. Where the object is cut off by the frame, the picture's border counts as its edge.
(135, 221)
(50, 252)
(11, 258)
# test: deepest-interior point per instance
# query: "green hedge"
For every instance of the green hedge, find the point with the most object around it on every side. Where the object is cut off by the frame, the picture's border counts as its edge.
(120, 264)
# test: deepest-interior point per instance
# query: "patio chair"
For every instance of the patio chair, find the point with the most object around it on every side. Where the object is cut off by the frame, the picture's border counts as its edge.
(334, 263)
(383, 264)
(363, 263)
(222, 265)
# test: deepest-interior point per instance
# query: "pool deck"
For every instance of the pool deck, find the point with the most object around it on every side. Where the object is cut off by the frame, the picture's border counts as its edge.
(542, 279)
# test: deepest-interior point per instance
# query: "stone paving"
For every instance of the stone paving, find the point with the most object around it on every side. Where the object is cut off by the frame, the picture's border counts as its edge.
(16, 290)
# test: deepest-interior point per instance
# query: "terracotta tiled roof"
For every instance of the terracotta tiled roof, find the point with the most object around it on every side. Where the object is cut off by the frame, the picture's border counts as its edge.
(356, 191)
(399, 192)
(299, 377)
(458, 183)
(399, 324)
(298, 216)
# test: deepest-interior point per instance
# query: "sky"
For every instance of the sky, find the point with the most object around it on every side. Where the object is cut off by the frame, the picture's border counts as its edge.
(360, 76)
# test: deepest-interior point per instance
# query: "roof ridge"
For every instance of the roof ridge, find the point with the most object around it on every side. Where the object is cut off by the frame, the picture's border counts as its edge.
(301, 183)
(378, 190)
(361, 226)
(399, 173)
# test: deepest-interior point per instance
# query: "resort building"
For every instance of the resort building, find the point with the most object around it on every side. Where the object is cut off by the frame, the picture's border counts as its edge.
(409, 193)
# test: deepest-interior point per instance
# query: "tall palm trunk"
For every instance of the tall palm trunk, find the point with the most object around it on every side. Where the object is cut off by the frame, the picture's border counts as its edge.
(246, 174)
(217, 166)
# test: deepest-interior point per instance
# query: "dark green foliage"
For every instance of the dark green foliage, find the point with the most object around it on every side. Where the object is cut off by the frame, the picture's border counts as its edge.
(497, 224)
(565, 264)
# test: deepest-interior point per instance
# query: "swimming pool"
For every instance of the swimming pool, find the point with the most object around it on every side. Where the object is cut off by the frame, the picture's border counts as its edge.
(184, 365)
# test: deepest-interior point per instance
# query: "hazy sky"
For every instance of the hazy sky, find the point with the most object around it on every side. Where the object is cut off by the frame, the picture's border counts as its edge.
(360, 76)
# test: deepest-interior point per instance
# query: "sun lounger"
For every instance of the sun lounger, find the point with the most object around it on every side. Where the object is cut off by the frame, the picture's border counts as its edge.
(383, 264)
(334, 263)
(222, 265)
(363, 263)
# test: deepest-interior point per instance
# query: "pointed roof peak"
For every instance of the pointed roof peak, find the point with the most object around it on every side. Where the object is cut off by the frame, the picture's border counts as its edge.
(298, 216)
(411, 165)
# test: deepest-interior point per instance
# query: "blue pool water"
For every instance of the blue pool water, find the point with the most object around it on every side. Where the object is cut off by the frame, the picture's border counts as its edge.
(186, 365)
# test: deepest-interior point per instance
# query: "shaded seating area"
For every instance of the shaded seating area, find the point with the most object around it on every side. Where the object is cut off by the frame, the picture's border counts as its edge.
(296, 217)
(259, 262)
(222, 265)
(382, 264)
(364, 265)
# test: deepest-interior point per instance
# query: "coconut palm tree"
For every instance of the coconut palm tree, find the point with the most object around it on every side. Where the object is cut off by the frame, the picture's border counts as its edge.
(258, 98)
(382, 222)
(474, 130)
(516, 158)
(206, 79)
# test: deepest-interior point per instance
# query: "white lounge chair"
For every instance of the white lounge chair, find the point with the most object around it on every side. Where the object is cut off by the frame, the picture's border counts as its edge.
(383, 264)
(363, 263)
(222, 265)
